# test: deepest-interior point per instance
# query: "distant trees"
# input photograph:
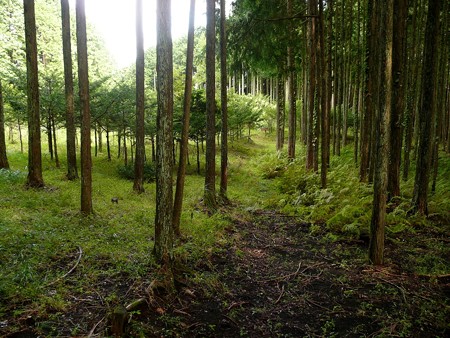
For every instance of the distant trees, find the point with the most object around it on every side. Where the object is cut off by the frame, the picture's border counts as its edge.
(83, 81)
(34, 179)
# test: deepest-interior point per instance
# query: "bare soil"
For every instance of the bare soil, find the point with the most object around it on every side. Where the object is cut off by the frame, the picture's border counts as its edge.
(274, 278)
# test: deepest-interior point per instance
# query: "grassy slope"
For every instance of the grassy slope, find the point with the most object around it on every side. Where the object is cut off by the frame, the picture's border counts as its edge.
(41, 231)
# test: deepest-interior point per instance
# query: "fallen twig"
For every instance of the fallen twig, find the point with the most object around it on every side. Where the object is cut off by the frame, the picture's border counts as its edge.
(315, 304)
(71, 270)
(236, 304)
(393, 284)
(135, 304)
(288, 275)
(281, 294)
(231, 320)
(93, 329)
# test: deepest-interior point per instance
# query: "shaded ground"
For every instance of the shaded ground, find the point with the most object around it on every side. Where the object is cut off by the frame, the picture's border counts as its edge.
(273, 278)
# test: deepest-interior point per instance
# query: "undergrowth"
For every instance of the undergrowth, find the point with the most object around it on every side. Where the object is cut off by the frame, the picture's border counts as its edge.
(43, 235)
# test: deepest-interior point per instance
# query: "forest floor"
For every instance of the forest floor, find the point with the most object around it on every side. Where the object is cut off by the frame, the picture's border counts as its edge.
(271, 278)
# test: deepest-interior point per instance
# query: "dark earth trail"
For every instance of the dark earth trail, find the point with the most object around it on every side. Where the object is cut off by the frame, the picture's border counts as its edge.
(276, 279)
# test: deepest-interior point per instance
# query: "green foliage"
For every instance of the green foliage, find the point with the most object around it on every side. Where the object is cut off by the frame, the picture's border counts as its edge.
(127, 171)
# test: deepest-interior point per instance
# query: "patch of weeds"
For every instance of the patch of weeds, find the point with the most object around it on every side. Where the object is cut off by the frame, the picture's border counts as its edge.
(12, 176)
(328, 328)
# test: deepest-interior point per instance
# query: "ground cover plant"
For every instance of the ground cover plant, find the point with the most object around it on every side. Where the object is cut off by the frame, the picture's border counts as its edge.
(284, 259)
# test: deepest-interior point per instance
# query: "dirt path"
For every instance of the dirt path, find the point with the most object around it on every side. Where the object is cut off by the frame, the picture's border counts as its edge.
(279, 280)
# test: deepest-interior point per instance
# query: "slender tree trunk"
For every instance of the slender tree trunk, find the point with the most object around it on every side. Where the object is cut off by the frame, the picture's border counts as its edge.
(280, 113)
(197, 144)
(55, 146)
(413, 71)
(100, 137)
(138, 184)
(34, 179)
(184, 143)
(3, 158)
(83, 82)
(371, 72)
(20, 136)
(376, 245)
(210, 172)
(312, 86)
(292, 121)
(427, 108)
(49, 133)
(324, 101)
(224, 100)
(164, 136)
(72, 171)
(108, 145)
(398, 99)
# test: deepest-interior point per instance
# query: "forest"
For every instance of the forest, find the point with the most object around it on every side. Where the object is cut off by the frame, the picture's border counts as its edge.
(283, 171)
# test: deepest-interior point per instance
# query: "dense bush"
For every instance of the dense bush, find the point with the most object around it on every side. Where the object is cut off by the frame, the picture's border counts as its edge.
(127, 171)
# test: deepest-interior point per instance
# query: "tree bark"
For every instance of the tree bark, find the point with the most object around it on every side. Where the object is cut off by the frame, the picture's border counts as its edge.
(378, 220)
(4, 164)
(292, 121)
(224, 103)
(312, 87)
(138, 184)
(164, 136)
(55, 146)
(325, 126)
(280, 113)
(83, 83)
(427, 108)
(178, 201)
(210, 169)
(72, 170)
(34, 179)
(398, 100)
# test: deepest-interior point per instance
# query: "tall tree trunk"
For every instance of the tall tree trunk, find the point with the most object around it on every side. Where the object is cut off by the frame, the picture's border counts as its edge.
(210, 172)
(280, 113)
(72, 171)
(427, 108)
(83, 83)
(49, 133)
(312, 86)
(164, 135)
(55, 146)
(19, 126)
(371, 73)
(378, 220)
(398, 99)
(224, 102)
(100, 137)
(108, 144)
(292, 121)
(3, 158)
(184, 143)
(34, 179)
(325, 126)
(138, 184)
